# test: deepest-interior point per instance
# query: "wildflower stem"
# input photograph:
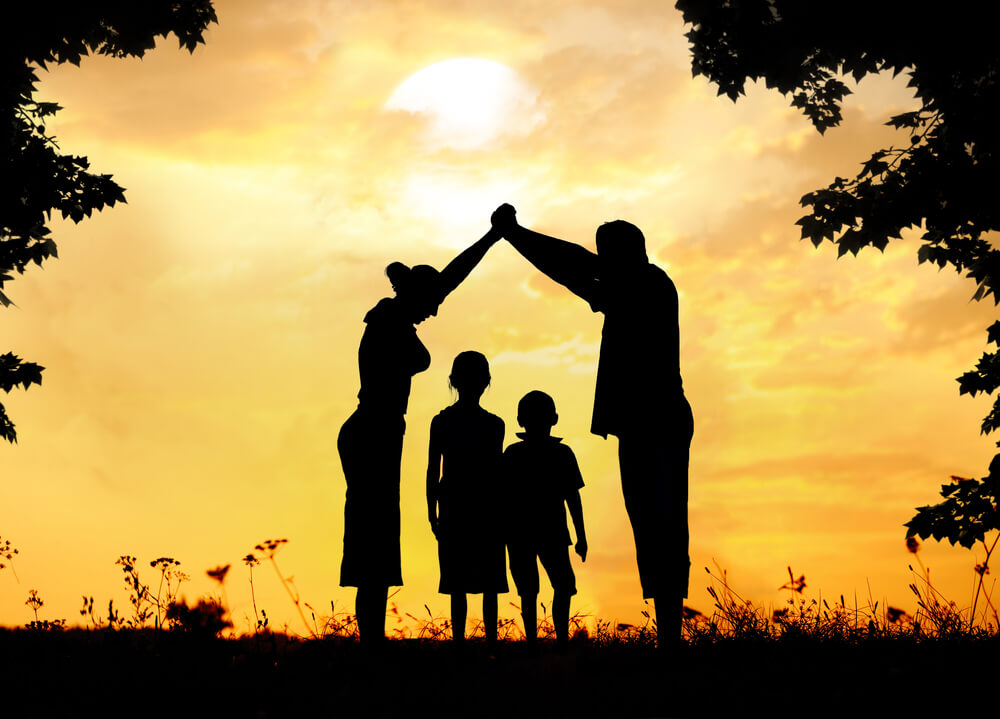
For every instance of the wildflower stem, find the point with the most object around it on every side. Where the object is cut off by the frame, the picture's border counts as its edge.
(253, 600)
(291, 595)
(982, 574)
(158, 589)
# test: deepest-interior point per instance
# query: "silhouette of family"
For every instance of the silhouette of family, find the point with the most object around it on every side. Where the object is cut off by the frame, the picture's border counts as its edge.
(638, 398)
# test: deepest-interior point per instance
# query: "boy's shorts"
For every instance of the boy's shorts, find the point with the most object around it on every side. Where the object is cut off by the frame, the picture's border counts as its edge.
(524, 558)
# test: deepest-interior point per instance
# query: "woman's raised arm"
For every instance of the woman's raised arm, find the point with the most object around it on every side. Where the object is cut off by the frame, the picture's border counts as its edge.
(460, 267)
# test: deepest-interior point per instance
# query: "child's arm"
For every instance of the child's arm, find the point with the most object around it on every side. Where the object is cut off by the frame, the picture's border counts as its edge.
(576, 514)
(501, 430)
(433, 476)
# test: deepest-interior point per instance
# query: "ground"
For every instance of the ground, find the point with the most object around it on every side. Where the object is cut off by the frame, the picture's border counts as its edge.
(148, 673)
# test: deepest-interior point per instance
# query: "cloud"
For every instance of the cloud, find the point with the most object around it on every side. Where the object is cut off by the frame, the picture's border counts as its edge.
(943, 319)
(578, 356)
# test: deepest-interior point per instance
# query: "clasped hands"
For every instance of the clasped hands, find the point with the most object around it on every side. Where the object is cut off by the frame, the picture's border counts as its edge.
(503, 221)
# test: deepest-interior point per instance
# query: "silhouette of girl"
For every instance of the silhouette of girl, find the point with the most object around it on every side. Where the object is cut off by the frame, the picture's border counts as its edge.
(466, 446)
(371, 440)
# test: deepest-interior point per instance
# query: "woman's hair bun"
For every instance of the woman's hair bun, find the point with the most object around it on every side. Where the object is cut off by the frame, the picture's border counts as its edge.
(398, 274)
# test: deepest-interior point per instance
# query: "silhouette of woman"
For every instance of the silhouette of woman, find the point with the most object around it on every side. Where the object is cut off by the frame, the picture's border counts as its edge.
(370, 443)
(466, 448)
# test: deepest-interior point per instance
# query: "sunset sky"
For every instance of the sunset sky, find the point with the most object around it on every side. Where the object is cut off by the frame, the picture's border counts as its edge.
(200, 342)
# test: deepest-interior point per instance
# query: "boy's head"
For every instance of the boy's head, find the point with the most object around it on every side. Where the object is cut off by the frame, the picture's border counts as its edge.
(536, 410)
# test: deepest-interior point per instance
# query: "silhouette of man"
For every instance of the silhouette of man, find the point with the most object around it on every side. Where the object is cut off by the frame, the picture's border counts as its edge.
(638, 397)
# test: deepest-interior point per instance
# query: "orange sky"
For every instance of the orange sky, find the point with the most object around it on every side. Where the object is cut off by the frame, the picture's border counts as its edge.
(200, 342)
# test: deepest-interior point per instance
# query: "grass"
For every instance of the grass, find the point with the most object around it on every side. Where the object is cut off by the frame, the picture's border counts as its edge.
(733, 618)
(807, 655)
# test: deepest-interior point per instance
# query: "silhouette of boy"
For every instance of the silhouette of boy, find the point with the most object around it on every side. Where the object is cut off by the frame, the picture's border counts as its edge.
(545, 479)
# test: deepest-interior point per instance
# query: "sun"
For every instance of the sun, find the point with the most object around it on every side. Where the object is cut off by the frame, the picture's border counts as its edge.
(468, 102)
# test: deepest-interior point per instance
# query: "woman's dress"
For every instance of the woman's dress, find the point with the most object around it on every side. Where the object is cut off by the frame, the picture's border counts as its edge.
(371, 445)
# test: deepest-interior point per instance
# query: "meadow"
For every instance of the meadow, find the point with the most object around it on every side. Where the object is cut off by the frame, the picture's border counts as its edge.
(160, 657)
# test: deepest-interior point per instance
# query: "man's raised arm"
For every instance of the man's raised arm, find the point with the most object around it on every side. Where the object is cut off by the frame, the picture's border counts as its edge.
(569, 264)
